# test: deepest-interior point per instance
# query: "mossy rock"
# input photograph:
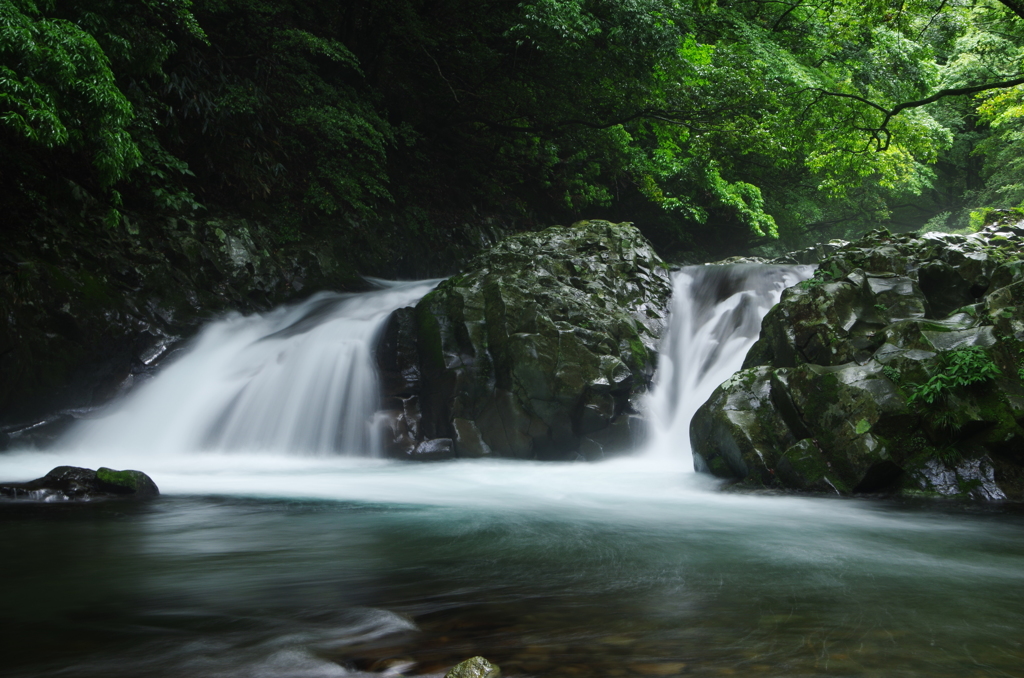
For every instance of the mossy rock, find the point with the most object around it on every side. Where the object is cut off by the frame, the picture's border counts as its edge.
(131, 482)
(542, 341)
(72, 483)
(841, 357)
(474, 667)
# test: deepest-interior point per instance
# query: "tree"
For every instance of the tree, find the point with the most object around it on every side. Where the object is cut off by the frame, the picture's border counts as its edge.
(57, 90)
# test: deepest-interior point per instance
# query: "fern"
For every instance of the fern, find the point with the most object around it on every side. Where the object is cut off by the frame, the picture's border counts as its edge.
(960, 367)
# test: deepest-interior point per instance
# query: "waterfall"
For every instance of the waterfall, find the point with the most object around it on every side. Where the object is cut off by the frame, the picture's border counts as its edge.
(715, 318)
(299, 380)
(259, 563)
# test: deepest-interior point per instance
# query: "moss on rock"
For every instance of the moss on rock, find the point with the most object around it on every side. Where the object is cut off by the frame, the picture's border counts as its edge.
(845, 362)
(544, 340)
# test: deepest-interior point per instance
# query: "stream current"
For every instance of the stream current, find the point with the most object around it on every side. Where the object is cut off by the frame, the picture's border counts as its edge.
(283, 546)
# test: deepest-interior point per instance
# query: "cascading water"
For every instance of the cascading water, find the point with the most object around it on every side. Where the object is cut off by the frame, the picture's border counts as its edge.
(297, 380)
(300, 380)
(715, 318)
(259, 562)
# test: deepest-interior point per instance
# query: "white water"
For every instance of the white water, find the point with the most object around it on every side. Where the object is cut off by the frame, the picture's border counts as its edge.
(626, 564)
(281, 405)
(297, 380)
(715, 319)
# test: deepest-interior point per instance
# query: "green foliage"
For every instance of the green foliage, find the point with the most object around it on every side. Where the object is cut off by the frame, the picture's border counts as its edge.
(948, 420)
(949, 456)
(714, 124)
(958, 368)
(820, 278)
(57, 89)
(979, 218)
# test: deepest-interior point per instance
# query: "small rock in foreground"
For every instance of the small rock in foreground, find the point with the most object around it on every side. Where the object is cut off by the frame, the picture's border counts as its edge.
(474, 667)
(71, 483)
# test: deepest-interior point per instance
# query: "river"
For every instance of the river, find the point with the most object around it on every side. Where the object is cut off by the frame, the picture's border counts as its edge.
(283, 546)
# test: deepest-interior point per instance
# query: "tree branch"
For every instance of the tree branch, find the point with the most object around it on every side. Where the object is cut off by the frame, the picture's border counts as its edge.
(1015, 6)
(783, 16)
(882, 130)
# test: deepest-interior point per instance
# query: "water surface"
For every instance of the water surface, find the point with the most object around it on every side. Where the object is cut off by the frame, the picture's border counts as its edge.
(616, 569)
(282, 547)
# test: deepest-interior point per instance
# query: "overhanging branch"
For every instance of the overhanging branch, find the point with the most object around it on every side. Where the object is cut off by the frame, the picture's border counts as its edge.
(881, 135)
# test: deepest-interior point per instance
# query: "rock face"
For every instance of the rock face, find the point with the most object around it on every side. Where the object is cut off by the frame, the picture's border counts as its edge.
(71, 483)
(898, 367)
(539, 350)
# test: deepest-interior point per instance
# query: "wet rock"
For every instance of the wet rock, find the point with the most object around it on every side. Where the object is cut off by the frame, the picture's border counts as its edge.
(475, 667)
(971, 477)
(72, 483)
(435, 449)
(469, 442)
(539, 349)
(738, 430)
(134, 483)
(398, 426)
(831, 400)
(397, 356)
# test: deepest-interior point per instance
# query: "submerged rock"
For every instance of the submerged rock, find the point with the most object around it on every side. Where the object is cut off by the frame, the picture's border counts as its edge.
(897, 368)
(72, 483)
(474, 667)
(539, 350)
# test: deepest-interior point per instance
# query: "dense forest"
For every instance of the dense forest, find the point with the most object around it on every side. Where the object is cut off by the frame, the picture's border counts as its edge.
(715, 126)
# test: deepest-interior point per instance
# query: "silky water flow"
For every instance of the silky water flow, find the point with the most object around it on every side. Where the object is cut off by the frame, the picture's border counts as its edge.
(283, 546)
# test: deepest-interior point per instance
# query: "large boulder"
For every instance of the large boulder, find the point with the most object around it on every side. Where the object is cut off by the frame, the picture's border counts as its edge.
(898, 367)
(539, 350)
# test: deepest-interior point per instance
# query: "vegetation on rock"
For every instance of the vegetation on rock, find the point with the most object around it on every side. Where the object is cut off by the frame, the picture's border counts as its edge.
(71, 483)
(958, 368)
(898, 372)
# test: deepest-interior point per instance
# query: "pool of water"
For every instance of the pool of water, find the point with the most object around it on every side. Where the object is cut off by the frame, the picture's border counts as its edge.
(255, 565)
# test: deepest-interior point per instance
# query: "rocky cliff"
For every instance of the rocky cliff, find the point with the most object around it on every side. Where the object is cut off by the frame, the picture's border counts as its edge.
(897, 368)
